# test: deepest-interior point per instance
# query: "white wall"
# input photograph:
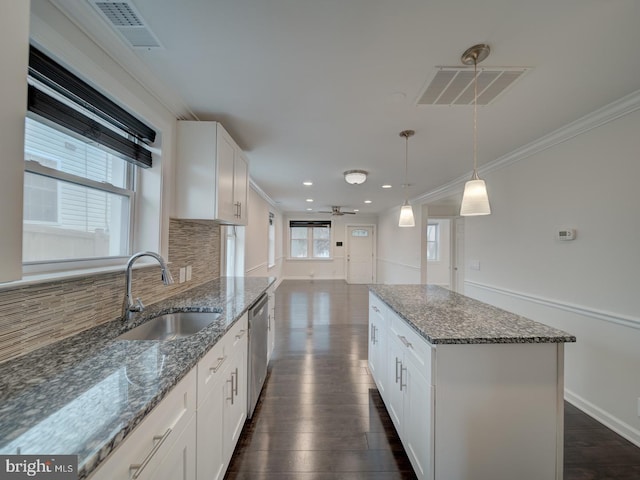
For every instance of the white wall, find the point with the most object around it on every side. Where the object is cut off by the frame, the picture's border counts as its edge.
(333, 268)
(257, 238)
(14, 54)
(399, 249)
(589, 286)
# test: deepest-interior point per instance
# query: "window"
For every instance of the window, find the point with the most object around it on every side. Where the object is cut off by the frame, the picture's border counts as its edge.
(81, 151)
(310, 239)
(272, 241)
(433, 239)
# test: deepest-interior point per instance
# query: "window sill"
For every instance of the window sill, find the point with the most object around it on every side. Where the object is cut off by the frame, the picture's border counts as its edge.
(39, 278)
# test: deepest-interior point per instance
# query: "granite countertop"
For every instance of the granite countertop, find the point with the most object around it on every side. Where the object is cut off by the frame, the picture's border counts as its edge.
(445, 317)
(85, 394)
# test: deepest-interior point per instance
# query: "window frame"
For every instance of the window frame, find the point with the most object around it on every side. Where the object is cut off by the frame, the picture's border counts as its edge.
(310, 225)
(435, 242)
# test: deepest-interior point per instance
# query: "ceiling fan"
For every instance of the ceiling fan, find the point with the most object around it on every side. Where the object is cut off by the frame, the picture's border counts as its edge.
(335, 210)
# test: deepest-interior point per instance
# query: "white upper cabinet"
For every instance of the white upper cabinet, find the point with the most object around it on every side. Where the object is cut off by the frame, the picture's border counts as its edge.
(212, 174)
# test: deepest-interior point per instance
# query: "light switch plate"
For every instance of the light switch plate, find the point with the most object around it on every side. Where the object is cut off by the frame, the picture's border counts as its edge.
(188, 272)
(182, 274)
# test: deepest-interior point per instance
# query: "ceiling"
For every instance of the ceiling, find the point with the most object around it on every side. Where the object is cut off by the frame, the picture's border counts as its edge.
(312, 88)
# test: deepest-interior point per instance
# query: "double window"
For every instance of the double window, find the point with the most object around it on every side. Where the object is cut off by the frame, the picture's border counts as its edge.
(310, 239)
(81, 152)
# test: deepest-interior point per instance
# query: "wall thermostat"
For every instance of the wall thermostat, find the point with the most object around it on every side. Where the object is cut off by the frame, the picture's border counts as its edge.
(567, 234)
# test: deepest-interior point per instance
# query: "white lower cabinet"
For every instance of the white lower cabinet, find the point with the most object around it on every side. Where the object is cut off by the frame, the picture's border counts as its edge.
(378, 344)
(222, 401)
(409, 393)
(192, 433)
(163, 445)
(470, 411)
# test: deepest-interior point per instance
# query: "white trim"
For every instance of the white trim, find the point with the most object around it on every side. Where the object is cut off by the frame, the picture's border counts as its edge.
(619, 108)
(264, 196)
(623, 320)
(615, 424)
(257, 267)
(399, 264)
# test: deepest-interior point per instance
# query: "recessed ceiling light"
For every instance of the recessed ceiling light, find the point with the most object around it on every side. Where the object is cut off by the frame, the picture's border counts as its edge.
(367, 201)
(309, 209)
(356, 210)
(307, 184)
(309, 199)
(386, 186)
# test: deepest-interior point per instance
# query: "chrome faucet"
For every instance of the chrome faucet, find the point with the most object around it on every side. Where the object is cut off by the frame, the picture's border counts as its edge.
(129, 307)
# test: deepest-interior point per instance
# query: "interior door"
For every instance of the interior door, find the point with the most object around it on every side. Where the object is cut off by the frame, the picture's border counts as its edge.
(360, 254)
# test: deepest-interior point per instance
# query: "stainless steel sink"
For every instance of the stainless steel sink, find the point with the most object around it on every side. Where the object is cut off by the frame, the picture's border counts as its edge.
(171, 326)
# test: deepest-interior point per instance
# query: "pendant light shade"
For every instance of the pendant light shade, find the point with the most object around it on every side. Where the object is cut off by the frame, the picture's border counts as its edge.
(475, 200)
(406, 216)
(406, 212)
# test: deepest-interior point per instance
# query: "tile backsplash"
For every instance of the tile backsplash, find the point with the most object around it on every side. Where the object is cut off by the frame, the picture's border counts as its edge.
(36, 315)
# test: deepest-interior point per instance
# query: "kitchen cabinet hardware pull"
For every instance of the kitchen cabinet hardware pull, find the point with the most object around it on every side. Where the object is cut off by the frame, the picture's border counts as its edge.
(375, 335)
(160, 439)
(375, 309)
(231, 382)
(398, 362)
(402, 369)
(235, 388)
(372, 329)
(406, 342)
(239, 336)
(217, 366)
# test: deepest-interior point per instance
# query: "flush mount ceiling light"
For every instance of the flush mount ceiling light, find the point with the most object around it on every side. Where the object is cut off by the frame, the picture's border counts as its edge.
(355, 177)
(475, 200)
(406, 212)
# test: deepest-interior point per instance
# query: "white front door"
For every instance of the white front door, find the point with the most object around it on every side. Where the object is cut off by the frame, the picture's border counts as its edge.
(360, 254)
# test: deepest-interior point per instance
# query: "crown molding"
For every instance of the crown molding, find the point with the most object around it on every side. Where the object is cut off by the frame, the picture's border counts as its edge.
(82, 15)
(262, 193)
(619, 108)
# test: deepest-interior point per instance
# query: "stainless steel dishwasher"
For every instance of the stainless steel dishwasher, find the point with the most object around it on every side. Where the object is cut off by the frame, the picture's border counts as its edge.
(258, 333)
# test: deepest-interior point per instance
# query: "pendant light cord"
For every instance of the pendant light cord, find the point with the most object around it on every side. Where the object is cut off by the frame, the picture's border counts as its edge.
(406, 167)
(475, 118)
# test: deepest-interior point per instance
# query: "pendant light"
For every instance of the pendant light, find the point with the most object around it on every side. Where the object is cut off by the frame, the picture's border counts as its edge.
(475, 200)
(406, 212)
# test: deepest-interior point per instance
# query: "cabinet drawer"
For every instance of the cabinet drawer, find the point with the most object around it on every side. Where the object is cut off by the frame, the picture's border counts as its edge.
(210, 368)
(151, 441)
(417, 347)
(237, 334)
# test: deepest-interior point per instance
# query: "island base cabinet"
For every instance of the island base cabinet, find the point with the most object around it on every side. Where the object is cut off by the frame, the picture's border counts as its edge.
(500, 408)
(471, 411)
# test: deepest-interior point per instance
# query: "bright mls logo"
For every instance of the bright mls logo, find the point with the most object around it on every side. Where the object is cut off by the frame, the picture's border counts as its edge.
(50, 467)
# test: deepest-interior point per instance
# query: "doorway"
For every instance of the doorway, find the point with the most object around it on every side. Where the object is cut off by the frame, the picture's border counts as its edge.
(360, 254)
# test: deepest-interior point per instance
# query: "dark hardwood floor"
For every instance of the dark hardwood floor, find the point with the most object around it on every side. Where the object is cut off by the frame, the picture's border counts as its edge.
(320, 415)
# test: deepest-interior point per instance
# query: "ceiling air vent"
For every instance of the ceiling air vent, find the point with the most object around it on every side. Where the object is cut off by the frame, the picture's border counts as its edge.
(454, 85)
(125, 19)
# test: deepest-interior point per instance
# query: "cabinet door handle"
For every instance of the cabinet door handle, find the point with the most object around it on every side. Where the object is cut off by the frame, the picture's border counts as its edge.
(217, 366)
(375, 335)
(372, 333)
(235, 387)
(159, 439)
(231, 382)
(375, 309)
(406, 342)
(241, 334)
(398, 362)
(402, 369)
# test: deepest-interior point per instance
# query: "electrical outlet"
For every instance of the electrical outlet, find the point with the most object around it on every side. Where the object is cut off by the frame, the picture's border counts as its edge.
(188, 272)
(182, 274)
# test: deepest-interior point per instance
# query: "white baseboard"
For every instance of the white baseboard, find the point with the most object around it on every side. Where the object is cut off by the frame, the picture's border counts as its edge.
(621, 428)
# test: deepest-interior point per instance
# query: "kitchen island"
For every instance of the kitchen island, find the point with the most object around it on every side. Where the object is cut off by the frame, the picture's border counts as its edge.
(86, 394)
(475, 392)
